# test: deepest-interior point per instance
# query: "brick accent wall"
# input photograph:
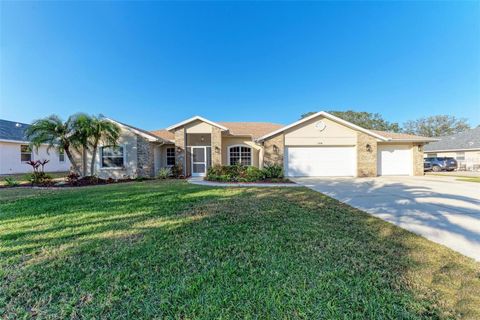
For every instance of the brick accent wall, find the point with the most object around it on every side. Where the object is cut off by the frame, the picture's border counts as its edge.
(366, 160)
(216, 146)
(180, 143)
(417, 160)
(273, 150)
(145, 164)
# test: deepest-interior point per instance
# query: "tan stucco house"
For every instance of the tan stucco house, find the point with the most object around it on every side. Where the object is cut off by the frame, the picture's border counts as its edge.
(318, 145)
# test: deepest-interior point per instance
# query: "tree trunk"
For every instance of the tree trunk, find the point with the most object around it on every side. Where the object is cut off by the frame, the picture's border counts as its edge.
(94, 156)
(84, 162)
(72, 160)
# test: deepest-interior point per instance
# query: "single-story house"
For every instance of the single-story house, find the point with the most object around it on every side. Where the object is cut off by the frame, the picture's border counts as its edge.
(15, 151)
(317, 145)
(463, 146)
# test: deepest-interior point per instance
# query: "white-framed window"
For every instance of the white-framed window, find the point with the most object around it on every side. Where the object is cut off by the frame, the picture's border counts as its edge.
(240, 155)
(61, 155)
(112, 156)
(25, 153)
(170, 156)
(460, 156)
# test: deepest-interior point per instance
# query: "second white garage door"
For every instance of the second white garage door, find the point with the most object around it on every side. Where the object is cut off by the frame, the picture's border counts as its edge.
(394, 160)
(320, 161)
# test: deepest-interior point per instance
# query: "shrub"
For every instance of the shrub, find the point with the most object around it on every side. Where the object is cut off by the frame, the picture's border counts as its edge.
(176, 171)
(40, 178)
(273, 171)
(235, 173)
(72, 177)
(164, 173)
(253, 174)
(11, 182)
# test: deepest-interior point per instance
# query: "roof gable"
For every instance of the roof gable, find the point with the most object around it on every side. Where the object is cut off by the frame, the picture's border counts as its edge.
(147, 135)
(328, 116)
(195, 118)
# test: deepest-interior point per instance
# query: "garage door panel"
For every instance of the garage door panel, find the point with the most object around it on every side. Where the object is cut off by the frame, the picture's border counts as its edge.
(320, 161)
(394, 160)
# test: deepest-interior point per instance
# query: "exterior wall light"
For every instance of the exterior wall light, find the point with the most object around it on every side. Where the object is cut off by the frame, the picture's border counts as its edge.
(275, 148)
(368, 147)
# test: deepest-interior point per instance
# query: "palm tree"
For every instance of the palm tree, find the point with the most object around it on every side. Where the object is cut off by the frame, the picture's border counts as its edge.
(101, 129)
(57, 134)
(82, 128)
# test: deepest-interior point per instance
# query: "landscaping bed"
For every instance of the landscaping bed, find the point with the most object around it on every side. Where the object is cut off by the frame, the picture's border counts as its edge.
(169, 249)
(246, 174)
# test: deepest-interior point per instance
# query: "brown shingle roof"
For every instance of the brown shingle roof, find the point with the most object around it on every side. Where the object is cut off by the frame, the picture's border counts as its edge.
(164, 134)
(254, 129)
(400, 136)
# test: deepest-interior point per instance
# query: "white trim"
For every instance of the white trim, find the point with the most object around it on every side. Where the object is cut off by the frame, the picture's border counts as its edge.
(193, 119)
(328, 116)
(149, 137)
(21, 142)
(239, 145)
(451, 150)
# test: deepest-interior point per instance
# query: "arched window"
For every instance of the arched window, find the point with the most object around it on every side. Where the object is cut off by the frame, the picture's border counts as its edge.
(240, 155)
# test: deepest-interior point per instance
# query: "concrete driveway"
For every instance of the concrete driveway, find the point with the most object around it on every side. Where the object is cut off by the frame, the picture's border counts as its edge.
(441, 209)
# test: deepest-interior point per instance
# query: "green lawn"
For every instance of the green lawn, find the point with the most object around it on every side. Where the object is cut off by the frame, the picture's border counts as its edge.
(173, 250)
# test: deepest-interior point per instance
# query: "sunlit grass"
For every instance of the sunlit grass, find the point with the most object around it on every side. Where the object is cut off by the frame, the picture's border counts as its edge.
(174, 250)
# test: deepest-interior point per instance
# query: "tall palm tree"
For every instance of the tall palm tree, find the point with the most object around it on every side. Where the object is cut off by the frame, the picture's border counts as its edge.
(101, 130)
(58, 134)
(82, 127)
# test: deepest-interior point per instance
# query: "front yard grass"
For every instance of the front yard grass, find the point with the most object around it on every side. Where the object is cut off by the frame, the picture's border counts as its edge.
(168, 249)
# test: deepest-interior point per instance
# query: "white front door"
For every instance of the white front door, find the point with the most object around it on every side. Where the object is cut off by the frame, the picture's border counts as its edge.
(320, 161)
(394, 160)
(199, 161)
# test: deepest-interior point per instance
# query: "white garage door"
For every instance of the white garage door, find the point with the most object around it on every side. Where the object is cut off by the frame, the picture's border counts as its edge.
(320, 161)
(394, 160)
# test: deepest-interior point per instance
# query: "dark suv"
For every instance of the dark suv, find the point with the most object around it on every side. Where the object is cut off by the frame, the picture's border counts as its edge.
(441, 163)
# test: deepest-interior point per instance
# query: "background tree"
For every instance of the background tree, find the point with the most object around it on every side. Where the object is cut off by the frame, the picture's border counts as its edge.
(436, 126)
(101, 130)
(367, 120)
(57, 134)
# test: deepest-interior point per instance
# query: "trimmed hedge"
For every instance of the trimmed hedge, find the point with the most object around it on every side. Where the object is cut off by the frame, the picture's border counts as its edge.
(239, 173)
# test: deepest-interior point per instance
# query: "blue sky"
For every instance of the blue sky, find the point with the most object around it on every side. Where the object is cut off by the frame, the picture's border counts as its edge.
(152, 64)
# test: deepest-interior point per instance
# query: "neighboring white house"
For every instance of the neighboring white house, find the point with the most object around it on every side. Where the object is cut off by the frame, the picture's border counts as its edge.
(15, 151)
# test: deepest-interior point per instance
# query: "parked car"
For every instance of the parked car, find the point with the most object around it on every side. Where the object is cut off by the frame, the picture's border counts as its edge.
(427, 166)
(442, 163)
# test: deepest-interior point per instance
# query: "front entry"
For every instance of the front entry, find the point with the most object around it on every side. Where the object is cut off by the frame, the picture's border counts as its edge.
(199, 161)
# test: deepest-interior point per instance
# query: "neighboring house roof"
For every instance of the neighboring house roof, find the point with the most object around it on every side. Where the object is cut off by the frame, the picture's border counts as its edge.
(467, 140)
(195, 118)
(381, 135)
(13, 131)
(253, 129)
